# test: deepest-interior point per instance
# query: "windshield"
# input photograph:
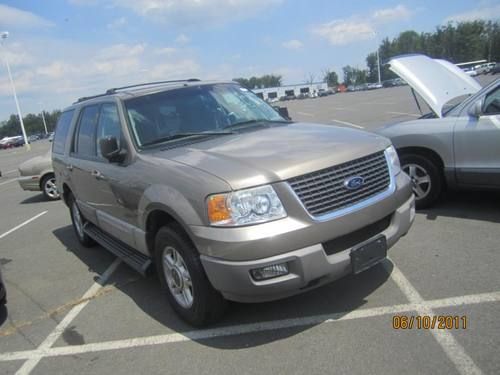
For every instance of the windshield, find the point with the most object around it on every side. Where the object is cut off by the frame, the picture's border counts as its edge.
(188, 111)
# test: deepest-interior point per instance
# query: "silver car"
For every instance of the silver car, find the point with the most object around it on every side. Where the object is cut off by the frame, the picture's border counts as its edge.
(225, 197)
(455, 146)
(37, 174)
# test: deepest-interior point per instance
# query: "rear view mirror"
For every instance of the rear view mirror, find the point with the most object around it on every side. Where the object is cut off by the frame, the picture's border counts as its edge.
(476, 109)
(111, 150)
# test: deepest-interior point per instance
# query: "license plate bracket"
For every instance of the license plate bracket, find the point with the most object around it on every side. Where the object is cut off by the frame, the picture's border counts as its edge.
(368, 254)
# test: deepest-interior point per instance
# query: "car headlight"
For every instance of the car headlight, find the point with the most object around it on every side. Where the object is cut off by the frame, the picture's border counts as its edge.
(393, 159)
(243, 207)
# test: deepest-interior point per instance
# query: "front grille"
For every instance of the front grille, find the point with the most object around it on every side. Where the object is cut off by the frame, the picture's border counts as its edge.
(323, 191)
(361, 235)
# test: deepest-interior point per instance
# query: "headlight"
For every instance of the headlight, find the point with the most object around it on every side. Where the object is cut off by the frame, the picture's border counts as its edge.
(242, 207)
(393, 159)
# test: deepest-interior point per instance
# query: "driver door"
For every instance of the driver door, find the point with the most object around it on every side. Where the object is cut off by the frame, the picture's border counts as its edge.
(477, 143)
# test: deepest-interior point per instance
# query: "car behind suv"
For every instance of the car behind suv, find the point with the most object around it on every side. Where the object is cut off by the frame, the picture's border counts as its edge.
(223, 195)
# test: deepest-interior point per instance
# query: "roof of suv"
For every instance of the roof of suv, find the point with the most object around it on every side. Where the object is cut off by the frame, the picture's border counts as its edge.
(145, 89)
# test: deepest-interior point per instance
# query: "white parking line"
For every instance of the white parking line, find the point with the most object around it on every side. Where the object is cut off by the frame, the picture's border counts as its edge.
(305, 114)
(11, 171)
(22, 224)
(348, 123)
(250, 328)
(405, 113)
(455, 352)
(8, 181)
(29, 365)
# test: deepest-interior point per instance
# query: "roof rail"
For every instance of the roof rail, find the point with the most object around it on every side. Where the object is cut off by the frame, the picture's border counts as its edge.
(84, 98)
(115, 89)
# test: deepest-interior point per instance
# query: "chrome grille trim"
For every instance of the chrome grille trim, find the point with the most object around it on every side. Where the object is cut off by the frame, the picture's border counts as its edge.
(322, 193)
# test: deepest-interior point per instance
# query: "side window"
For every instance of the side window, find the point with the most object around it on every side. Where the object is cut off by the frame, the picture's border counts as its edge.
(492, 102)
(85, 140)
(62, 130)
(108, 125)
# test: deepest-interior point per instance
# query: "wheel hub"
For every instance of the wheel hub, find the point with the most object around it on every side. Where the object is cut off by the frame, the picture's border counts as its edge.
(177, 277)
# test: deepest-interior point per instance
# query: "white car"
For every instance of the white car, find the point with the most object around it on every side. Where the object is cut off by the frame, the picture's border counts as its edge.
(454, 147)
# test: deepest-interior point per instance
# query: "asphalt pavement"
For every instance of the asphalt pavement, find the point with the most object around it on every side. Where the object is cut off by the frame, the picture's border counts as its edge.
(77, 310)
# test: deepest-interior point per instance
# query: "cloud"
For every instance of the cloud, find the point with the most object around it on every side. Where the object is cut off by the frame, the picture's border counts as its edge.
(357, 27)
(165, 51)
(341, 32)
(486, 13)
(117, 23)
(293, 44)
(11, 17)
(187, 13)
(182, 39)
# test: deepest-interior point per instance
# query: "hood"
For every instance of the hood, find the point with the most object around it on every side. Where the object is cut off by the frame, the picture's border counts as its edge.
(278, 153)
(436, 81)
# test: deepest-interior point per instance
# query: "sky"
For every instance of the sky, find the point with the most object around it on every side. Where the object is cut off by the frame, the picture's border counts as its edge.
(60, 50)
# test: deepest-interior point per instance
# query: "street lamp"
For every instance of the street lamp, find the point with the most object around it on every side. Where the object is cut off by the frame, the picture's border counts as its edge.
(3, 36)
(43, 119)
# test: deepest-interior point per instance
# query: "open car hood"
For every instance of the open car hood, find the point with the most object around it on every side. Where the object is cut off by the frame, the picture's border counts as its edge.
(436, 81)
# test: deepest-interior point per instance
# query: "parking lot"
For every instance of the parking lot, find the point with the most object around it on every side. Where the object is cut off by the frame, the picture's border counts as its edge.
(77, 310)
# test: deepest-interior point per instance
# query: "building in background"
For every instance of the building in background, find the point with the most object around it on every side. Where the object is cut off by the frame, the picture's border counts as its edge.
(290, 91)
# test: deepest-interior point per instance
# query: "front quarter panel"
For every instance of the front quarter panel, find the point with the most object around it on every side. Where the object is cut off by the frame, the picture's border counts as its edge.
(434, 134)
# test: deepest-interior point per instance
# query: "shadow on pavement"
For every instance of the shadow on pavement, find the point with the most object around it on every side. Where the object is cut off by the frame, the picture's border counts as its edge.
(474, 205)
(38, 198)
(339, 297)
(3, 314)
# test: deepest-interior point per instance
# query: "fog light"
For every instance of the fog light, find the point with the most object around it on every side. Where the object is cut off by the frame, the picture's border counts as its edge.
(269, 272)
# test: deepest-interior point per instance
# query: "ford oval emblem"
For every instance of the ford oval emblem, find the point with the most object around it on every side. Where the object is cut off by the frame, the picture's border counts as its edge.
(353, 183)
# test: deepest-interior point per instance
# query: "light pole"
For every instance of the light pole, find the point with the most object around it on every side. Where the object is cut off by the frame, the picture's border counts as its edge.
(43, 119)
(378, 56)
(3, 36)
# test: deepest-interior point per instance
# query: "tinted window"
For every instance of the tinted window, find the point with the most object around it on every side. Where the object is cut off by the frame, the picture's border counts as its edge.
(108, 125)
(62, 129)
(85, 141)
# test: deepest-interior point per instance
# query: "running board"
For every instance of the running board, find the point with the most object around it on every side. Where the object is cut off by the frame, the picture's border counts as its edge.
(132, 257)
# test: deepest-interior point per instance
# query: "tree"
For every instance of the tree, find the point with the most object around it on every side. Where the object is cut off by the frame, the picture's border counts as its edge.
(310, 78)
(33, 123)
(331, 78)
(354, 76)
(267, 80)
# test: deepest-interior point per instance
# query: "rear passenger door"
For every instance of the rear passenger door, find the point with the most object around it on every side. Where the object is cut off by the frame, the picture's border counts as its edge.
(83, 156)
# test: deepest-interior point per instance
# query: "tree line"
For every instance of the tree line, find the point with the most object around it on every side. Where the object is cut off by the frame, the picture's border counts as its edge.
(455, 42)
(33, 123)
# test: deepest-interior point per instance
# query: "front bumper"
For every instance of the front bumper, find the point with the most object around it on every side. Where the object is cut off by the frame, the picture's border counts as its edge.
(309, 265)
(30, 183)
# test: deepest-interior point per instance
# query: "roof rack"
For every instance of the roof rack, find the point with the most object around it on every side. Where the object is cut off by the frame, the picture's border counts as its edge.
(115, 89)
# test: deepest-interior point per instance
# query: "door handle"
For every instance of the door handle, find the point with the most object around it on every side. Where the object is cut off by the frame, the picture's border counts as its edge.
(69, 167)
(98, 175)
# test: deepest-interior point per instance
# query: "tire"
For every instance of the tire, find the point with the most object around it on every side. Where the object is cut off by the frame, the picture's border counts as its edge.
(206, 305)
(49, 188)
(426, 176)
(78, 222)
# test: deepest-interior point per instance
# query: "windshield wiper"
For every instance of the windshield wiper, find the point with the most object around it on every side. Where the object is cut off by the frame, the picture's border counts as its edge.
(248, 122)
(184, 135)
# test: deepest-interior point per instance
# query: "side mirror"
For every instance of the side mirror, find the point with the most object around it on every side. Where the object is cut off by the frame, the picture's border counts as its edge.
(111, 150)
(476, 109)
(283, 111)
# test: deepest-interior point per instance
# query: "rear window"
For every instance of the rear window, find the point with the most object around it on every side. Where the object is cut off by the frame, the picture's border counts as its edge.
(62, 129)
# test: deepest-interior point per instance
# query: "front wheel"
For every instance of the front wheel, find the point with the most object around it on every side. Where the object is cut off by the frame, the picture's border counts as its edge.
(426, 178)
(183, 278)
